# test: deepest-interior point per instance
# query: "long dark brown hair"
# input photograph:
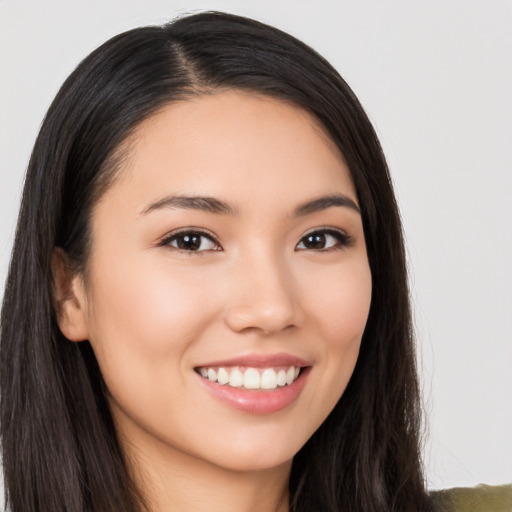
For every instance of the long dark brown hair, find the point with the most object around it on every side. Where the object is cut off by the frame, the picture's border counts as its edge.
(60, 450)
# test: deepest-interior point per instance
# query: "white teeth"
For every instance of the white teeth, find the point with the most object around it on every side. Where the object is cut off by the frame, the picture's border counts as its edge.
(290, 375)
(268, 379)
(251, 378)
(236, 379)
(222, 376)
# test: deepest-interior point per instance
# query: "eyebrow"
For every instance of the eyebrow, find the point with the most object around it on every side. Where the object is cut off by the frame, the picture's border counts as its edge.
(205, 204)
(322, 203)
(217, 206)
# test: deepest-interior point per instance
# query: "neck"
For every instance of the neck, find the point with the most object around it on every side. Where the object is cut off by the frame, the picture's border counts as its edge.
(173, 480)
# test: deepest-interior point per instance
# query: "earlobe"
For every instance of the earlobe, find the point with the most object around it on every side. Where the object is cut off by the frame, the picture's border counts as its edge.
(69, 298)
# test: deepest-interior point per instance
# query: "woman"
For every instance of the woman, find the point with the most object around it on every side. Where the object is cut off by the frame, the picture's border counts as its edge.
(207, 304)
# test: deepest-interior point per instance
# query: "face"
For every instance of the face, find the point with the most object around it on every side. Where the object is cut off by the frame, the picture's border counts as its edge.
(228, 285)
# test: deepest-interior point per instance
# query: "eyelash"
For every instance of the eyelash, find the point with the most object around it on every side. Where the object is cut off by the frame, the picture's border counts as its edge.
(166, 242)
(342, 240)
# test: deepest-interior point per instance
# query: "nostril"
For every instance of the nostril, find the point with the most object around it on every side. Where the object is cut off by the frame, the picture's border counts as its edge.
(267, 320)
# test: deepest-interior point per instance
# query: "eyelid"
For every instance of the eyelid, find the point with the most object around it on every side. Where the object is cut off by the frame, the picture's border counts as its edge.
(345, 240)
(325, 229)
(165, 240)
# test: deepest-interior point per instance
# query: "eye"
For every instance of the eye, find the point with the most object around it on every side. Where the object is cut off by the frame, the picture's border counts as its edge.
(324, 240)
(191, 241)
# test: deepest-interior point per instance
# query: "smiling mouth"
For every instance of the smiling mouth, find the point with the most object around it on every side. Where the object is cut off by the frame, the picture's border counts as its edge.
(251, 378)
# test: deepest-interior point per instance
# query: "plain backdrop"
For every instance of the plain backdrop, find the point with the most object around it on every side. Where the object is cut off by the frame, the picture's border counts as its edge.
(436, 79)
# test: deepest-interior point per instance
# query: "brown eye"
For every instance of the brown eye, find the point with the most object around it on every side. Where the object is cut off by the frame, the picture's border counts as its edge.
(315, 241)
(322, 240)
(192, 241)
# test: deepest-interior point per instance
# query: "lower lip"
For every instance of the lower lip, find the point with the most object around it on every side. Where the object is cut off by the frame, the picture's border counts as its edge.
(258, 401)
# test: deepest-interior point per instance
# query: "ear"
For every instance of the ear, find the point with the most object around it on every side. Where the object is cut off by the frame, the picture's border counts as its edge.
(69, 298)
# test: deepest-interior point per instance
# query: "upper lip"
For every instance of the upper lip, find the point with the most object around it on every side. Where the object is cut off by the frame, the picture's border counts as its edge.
(259, 361)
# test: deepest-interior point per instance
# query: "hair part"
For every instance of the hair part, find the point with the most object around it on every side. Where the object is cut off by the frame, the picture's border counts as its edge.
(60, 449)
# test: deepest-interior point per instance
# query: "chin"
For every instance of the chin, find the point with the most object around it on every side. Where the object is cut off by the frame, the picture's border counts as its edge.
(252, 455)
(255, 464)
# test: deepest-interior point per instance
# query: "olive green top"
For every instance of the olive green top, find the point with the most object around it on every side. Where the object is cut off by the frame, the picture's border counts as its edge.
(484, 498)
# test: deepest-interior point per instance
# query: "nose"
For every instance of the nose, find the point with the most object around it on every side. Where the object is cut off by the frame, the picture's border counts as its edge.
(265, 296)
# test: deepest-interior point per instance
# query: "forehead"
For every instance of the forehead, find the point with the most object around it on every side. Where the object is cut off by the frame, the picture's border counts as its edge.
(233, 144)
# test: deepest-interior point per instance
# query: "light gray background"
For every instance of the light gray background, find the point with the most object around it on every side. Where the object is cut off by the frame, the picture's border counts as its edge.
(436, 79)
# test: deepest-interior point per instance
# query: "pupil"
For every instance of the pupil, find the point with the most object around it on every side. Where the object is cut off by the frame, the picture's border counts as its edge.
(315, 241)
(189, 242)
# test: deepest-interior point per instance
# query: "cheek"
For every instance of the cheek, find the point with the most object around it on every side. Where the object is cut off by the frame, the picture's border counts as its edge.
(342, 303)
(144, 318)
(341, 312)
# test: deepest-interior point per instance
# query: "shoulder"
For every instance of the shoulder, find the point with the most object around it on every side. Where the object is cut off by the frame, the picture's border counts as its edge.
(484, 498)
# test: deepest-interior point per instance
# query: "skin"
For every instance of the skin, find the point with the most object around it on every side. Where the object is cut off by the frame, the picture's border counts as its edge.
(153, 312)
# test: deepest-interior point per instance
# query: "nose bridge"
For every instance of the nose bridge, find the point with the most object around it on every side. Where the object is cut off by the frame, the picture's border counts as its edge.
(265, 296)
